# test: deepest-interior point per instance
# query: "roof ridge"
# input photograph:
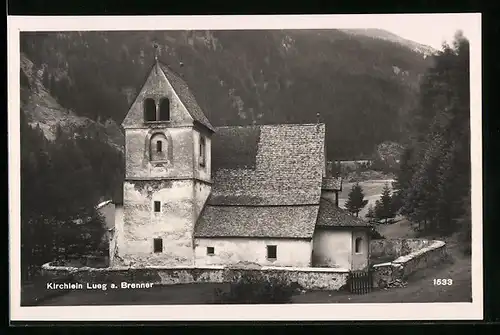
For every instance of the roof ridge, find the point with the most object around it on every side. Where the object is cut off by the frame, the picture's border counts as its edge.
(186, 96)
(271, 125)
(175, 73)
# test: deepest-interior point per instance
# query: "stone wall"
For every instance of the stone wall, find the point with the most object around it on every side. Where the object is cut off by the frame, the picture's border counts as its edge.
(432, 253)
(307, 278)
(394, 248)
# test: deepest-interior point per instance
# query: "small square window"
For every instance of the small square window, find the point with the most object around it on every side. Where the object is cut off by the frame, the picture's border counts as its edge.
(210, 251)
(271, 251)
(158, 245)
(157, 206)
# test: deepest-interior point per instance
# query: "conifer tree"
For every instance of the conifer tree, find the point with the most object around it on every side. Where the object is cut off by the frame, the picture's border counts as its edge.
(384, 209)
(434, 179)
(356, 201)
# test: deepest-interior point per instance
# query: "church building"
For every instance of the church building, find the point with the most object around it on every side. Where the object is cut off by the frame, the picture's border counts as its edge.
(198, 195)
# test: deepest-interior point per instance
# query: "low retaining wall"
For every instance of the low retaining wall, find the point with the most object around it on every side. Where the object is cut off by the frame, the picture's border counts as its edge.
(396, 247)
(307, 278)
(432, 253)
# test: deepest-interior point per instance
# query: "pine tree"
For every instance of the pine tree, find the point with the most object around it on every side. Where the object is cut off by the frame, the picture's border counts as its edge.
(356, 201)
(384, 209)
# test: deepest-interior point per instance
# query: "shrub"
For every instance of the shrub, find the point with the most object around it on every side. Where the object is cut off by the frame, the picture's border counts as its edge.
(256, 288)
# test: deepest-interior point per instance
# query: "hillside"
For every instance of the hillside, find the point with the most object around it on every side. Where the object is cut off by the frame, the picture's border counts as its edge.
(388, 36)
(362, 87)
(42, 109)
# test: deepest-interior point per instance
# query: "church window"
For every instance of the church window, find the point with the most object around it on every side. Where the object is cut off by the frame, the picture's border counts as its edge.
(202, 151)
(165, 109)
(158, 245)
(157, 206)
(210, 251)
(158, 146)
(357, 245)
(149, 110)
(271, 252)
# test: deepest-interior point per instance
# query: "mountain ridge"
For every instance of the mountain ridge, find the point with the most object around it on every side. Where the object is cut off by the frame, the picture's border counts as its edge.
(426, 50)
(44, 111)
(362, 88)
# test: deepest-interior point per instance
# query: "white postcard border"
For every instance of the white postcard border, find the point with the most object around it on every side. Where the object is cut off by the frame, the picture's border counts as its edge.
(288, 312)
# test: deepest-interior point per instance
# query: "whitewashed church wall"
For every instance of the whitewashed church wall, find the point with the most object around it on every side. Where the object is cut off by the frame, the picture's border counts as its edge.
(289, 252)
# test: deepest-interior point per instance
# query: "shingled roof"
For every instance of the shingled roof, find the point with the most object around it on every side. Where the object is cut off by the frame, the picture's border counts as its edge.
(266, 182)
(270, 165)
(186, 96)
(332, 183)
(257, 221)
(332, 216)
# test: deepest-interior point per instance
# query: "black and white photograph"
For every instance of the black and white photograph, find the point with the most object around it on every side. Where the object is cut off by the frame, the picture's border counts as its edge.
(229, 165)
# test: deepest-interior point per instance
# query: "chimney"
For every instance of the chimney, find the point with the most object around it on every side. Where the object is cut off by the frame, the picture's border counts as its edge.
(331, 184)
(329, 169)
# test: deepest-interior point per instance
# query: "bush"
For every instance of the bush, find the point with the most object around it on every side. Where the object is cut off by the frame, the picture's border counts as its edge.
(255, 288)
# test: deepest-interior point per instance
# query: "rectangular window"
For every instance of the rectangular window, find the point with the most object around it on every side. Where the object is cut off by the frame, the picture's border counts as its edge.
(158, 245)
(202, 151)
(271, 251)
(158, 146)
(210, 251)
(157, 206)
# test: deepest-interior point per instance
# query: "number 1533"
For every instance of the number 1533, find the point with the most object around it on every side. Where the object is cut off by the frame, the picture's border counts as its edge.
(442, 282)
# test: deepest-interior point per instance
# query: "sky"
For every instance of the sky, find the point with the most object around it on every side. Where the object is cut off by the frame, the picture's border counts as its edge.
(430, 30)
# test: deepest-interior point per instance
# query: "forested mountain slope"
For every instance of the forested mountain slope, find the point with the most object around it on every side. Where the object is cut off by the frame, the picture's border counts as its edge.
(363, 87)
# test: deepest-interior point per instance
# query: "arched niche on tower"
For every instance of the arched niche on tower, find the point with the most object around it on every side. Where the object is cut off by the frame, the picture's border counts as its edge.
(159, 147)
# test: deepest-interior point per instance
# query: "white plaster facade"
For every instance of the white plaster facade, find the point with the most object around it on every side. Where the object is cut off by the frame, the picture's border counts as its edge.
(289, 252)
(360, 257)
(337, 248)
(332, 248)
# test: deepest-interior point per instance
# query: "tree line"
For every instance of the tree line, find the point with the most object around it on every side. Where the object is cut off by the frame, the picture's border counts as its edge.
(62, 181)
(384, 210)
(433, 181)
(432, 187)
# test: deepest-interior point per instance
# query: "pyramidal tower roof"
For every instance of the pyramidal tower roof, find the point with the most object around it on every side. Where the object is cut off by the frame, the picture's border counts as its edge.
(181, 89)
(186, 96)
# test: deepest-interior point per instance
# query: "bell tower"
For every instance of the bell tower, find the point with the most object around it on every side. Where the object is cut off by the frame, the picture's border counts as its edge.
(167, 172)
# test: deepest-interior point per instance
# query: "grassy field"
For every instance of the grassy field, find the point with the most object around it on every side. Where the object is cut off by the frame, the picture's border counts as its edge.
(371, 188)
